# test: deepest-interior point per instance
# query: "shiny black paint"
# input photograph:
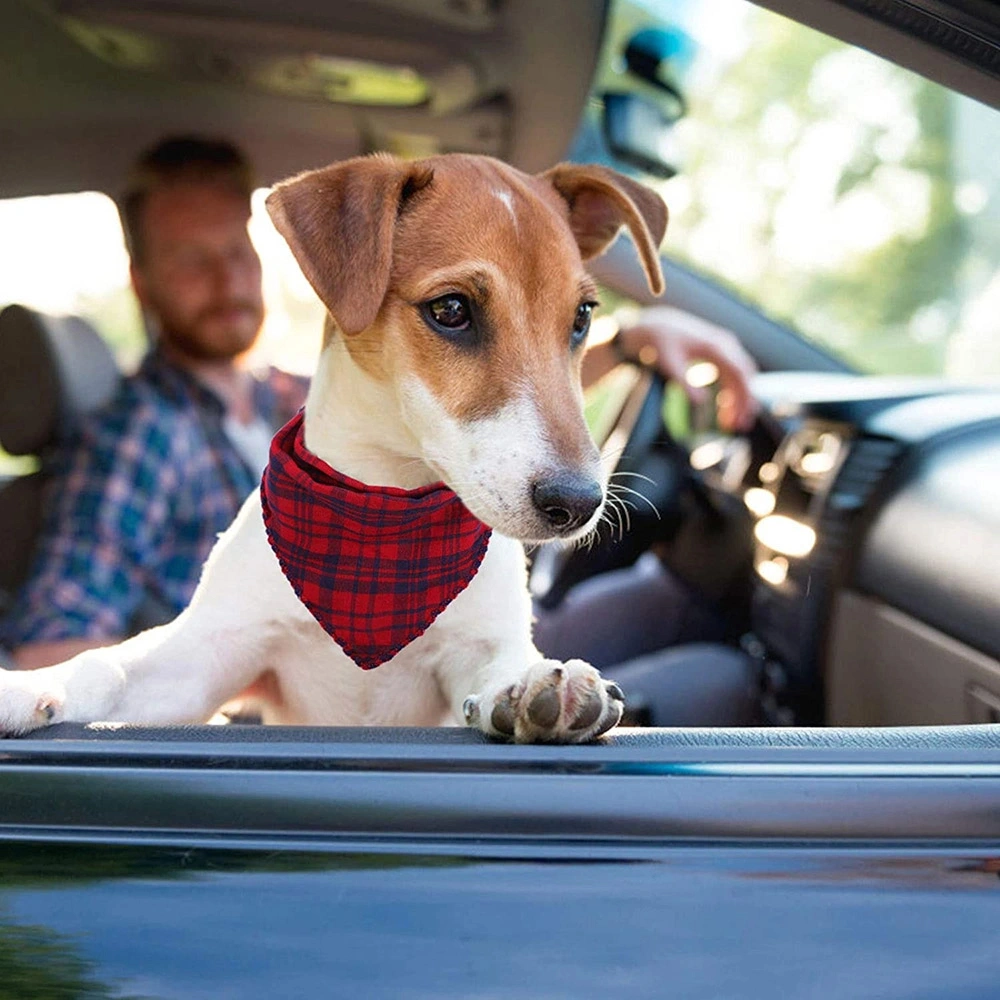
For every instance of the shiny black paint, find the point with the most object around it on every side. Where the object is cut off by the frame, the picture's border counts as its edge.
(432, 864)
(706, 922)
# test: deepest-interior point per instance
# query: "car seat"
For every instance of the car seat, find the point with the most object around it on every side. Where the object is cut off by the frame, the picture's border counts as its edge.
(53, 372)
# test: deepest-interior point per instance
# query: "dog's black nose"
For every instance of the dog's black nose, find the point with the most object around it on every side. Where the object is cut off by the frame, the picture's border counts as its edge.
(566, 500)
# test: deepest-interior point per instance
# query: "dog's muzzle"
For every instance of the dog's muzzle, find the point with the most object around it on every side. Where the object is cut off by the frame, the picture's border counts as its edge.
(566, 500)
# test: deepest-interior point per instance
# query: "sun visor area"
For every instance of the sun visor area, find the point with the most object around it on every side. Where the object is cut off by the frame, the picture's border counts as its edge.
(344, 62)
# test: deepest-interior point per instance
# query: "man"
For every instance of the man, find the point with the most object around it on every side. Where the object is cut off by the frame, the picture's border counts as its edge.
(153, 478)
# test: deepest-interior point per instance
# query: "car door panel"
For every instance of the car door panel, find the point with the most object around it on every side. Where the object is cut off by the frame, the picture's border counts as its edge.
(253, 862)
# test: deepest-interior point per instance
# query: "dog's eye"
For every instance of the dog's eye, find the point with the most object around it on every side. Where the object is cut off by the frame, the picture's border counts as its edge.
(450, 313)
(581, 325)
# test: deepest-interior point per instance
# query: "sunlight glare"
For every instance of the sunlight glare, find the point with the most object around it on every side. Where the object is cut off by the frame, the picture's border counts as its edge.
(59, 248)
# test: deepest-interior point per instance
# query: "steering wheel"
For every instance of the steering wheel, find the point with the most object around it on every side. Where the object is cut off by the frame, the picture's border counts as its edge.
(647, 471)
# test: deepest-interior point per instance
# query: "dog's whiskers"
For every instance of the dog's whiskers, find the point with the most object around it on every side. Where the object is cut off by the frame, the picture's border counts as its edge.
(612, 525)
(618, 505)
(641, 496)
(635, 475)
(606, 518)
(614, 491)
(587, 540)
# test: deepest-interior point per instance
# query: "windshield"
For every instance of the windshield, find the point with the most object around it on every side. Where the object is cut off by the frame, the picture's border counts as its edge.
(853, 200)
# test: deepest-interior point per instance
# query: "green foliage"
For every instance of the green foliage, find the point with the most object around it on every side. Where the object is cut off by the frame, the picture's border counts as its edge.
(858, 142)
(16, 465)
(862, 304)
(38, 964)
(54, 865)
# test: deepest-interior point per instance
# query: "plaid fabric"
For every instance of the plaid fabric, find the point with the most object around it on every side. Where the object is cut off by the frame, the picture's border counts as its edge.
(374, 565)
(134, 506)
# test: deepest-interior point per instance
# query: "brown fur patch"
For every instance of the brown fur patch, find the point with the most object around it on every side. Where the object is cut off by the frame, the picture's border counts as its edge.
(524, 275)
(379, 237)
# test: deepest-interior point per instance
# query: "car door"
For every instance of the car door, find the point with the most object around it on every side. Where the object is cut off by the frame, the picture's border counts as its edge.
(239, 861)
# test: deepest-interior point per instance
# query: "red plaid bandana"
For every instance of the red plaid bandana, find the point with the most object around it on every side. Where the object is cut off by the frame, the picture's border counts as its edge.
(374, 564)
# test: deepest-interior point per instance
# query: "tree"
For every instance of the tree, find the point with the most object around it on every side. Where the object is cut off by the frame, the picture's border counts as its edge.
(36, 963)
(818, 183)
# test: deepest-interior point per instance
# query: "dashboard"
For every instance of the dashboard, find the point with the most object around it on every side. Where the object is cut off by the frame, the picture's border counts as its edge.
(875, 595)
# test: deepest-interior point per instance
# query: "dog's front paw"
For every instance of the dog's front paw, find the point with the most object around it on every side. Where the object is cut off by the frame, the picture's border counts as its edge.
(552, 703)
(28, 701)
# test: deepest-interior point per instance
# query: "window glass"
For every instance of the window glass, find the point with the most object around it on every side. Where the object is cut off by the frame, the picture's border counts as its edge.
(65, 254)
(852, 199)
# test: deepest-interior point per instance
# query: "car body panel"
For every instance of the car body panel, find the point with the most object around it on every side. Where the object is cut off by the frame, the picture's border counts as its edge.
(689, 922)
(708, 863)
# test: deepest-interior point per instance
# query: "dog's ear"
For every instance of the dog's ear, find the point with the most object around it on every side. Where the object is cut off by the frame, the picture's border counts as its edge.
(600, 202)
(339, 223)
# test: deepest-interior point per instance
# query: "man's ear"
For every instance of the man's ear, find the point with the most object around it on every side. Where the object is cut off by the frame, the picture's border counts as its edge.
(600, 202)
(339, 223)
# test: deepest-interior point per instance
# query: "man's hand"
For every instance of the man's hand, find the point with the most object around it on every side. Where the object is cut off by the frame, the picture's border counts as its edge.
(671, 340)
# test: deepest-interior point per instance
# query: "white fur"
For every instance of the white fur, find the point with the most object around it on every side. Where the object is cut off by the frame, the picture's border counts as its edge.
(508, 201)
(245, 619)
(490, 462)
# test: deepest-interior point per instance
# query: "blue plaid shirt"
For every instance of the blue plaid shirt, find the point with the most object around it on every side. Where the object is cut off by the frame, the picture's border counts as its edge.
(136, 504)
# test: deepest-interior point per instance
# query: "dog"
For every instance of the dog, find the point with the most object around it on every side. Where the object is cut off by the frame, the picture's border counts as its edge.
(458, 308)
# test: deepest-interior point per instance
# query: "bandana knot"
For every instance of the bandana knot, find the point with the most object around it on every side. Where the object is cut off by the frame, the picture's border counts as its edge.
(375, 565)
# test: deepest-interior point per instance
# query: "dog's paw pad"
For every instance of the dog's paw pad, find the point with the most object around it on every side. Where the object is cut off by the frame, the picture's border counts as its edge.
(588, 711)
(504, 714)
(545, 707)
(553, 703)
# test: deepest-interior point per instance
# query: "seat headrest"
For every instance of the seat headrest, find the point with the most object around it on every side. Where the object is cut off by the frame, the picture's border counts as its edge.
(53, 371)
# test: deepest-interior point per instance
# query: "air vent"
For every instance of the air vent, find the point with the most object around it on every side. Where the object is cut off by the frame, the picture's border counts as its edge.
(867, 462)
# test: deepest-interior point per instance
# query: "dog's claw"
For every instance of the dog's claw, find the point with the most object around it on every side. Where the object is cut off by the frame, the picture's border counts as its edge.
(470, 709)
(614, 691)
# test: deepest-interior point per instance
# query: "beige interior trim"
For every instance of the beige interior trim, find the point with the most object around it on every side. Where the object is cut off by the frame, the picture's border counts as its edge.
(886, 668)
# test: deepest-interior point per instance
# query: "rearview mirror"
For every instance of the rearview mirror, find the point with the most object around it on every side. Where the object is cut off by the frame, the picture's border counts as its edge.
(657, 56)
(639, 134)
(638, 126)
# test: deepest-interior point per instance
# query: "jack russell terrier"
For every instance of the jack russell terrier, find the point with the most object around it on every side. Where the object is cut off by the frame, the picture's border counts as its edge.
(443, 429)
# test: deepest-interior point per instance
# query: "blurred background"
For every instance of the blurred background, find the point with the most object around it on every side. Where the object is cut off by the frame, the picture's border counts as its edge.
(850, 199)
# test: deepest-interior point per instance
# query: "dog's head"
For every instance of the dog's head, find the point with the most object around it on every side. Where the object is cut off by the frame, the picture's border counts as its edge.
(460, 281)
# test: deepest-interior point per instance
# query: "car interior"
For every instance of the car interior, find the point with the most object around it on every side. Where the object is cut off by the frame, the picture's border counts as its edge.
(839, 561)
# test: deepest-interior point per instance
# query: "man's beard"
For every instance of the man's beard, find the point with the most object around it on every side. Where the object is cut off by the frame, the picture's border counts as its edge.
(220, 342)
